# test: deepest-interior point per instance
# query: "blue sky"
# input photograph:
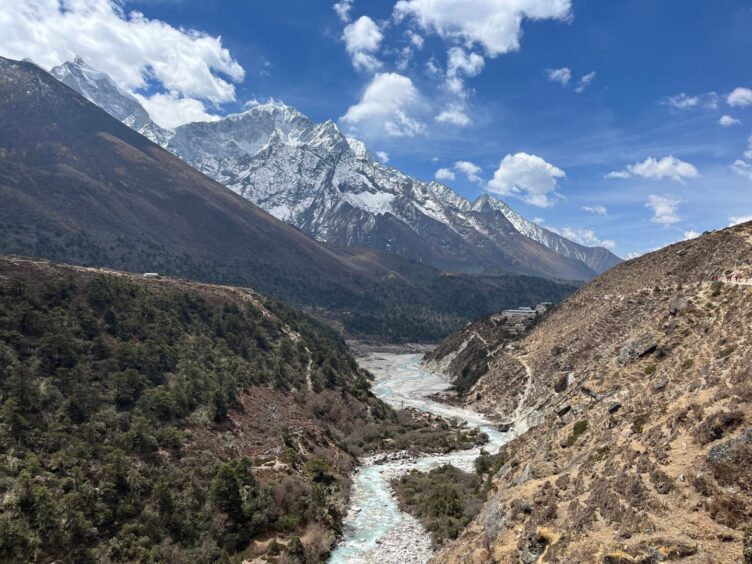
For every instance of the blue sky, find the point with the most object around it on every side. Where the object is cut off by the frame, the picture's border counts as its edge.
(433, 83)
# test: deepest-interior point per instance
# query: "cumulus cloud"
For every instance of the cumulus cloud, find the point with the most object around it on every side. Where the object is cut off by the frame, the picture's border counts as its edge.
(665, 209)
(740, 97)
(343, 10)
(666, 167)
(738, 220)
(584, 82)
(585, 237)
(691, 234)
(190, 67)
(496, 25)
(444, 174)
(386, 106)
(416, 40)
(470, 170)
(461, 64)
(527, 177)
(454, 114)
(743, 169)
(362, 38)
(597, 210)
(562, 75)
(169, 110)
(728, 121)
(383, 156)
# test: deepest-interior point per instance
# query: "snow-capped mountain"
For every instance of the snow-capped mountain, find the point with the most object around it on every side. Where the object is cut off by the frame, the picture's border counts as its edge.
(329, 186)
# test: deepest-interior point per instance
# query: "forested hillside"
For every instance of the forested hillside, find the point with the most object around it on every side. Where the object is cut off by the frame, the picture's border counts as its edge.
(157, 420)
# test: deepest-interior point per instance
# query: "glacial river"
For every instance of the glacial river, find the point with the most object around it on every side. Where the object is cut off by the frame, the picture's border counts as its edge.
(375, 530)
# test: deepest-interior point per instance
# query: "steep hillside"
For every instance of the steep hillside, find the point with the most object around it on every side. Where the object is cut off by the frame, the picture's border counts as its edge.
(638, 390)
(329, 186)
(77, 186)
(160, 420)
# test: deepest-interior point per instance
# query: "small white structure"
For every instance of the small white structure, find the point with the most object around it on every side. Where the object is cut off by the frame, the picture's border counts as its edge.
(151, 275)
(523, 312)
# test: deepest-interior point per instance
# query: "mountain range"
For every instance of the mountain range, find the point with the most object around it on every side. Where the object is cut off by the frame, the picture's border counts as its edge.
(78, 186)
(332, 188)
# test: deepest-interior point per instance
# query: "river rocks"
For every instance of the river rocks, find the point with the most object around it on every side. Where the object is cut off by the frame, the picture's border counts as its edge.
(725, 451)
(641, 346)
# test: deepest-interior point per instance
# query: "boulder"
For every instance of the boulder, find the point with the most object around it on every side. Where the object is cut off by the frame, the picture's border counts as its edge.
(614, 407)
(660, 384)
(641, 346)
(724, 452)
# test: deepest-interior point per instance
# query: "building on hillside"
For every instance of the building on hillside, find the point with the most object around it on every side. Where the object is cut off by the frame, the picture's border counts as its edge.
(521, 313)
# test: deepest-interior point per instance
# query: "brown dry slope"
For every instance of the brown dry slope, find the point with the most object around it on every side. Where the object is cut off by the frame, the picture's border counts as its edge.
(642, 397)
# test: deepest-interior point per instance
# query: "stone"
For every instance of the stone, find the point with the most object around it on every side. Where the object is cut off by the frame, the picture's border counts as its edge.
(562, 411)
(614, 407)
(678, 305)
(660, 384)
(641, 346)
(725, 451)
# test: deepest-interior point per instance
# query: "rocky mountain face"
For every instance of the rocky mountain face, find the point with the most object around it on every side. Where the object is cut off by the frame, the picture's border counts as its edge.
(329, 186)
(78, 186)
(638, 397)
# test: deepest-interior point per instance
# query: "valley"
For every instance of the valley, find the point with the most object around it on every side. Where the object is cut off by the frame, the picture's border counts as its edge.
(234, 333)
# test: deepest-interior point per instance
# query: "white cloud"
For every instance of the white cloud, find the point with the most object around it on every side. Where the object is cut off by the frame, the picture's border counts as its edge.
(385, 107)
(585, 81)
(434, 160)
(597, 210)
(562, 75)
(740, 97)
(539, 220)
(728, 121)
(383, 156)
(191, 66)
(743, 169)
(691, 234)
(620, 174)
(666, 167)
(416, 40)
(459, 64)
(362, 38)
(748, 152)
(470, 170)
(664, 208)
(527, 177)
(444, 174)
(170, 111)
(454, 114)
(494, 24)
(585, 237)
(738, 220)
(684, 101)
(343, 8)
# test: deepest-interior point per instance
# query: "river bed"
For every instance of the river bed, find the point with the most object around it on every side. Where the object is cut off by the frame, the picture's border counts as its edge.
(375, 529)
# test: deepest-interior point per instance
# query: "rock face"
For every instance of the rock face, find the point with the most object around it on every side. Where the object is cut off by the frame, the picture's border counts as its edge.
(641, 447)
(330, 187)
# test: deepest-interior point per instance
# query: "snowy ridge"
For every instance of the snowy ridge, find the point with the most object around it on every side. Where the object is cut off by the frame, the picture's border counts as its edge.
(329, 186)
